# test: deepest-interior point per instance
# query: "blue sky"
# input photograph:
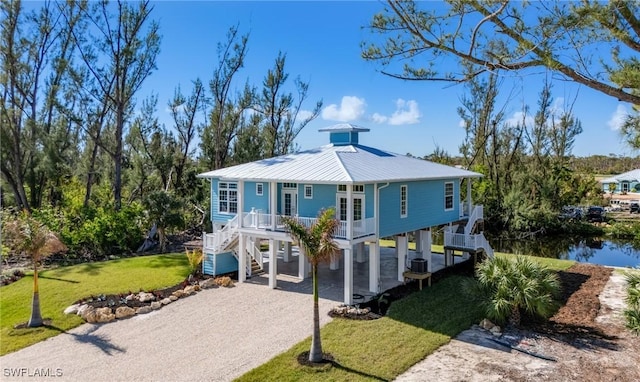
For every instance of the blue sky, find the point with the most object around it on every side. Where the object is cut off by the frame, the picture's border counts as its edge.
(321, 41)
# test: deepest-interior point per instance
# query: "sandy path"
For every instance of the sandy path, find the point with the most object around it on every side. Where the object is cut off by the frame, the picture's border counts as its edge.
(474, 356)
(215, 335)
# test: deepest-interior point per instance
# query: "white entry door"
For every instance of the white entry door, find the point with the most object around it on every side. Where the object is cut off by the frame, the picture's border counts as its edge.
(358, 203)
(290, 202)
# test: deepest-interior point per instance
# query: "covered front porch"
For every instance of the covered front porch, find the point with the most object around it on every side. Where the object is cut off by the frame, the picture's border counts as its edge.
(332, 276)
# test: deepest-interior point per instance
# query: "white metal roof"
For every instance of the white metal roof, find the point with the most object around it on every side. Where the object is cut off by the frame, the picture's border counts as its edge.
(340, 164)
(629, 176)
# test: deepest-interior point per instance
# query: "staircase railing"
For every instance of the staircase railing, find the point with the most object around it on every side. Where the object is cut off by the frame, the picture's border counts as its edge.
(476, 214)
(471, 242)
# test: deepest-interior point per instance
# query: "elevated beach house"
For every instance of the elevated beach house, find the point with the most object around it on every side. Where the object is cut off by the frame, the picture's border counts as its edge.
(376, 194)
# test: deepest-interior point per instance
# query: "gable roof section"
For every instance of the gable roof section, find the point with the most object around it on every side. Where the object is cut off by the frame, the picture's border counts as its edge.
(334, 164)
(629, 176)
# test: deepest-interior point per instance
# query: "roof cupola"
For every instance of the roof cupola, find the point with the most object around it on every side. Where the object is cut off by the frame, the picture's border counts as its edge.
(344, 134)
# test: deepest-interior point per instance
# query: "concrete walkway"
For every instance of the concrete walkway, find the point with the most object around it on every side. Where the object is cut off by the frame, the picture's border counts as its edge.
(215, 335)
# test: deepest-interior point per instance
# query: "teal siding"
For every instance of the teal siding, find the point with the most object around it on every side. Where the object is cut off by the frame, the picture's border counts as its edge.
(633, 187)
(219, 264)
(324, 196)
(369, 205)
(425, 206)
(252, 200)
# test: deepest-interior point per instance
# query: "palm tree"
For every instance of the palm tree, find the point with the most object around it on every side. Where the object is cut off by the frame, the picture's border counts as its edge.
(512, 286)
(26, 235)
(317, 244)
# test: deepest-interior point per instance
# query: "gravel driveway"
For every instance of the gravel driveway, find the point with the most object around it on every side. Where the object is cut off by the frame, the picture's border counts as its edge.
(215, 335)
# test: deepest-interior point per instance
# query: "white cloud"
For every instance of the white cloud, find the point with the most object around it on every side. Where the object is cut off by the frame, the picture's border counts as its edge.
(618, 117)
(304, 114)
(517, 118)
(407, 113)
(351, 108)
(379, 118)
(462, 123)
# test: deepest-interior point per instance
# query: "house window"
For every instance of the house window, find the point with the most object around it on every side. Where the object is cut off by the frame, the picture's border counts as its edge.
(289, 185)
(357, 209)
(259, 189)
(227, 198)
(355, 188)
(403, 201)
(448, 196)
(625, 186)
(308, 191)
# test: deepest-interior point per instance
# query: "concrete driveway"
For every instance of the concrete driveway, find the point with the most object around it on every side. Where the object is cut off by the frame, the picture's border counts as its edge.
(215, 335)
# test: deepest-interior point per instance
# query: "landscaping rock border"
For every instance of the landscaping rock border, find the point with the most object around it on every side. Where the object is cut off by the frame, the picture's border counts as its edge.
(104, 309)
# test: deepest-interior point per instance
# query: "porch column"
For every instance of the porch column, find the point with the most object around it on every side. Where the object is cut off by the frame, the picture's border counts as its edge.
(349, 212)
(273, 264)
(334, 264)
(360, 253)
(273, 203)
(241, 204)
(302, 265)
(374, 267)
(348, 276)
(469, 196)
(418, 239)
(403, 247)
(426, 245)
(242, 258)
(286, 252)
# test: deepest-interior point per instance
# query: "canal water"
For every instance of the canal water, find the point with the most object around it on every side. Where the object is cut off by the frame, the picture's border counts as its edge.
(591, 250)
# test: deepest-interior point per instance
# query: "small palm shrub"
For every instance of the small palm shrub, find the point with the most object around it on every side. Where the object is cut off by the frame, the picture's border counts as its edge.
(632, 313)
(509, 287)
(194, 257)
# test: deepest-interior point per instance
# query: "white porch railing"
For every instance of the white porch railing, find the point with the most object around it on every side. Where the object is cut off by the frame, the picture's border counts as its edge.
(258, 220)
(470, 242)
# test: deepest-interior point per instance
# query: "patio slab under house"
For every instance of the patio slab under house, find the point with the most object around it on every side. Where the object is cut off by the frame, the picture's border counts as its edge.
(331, 275)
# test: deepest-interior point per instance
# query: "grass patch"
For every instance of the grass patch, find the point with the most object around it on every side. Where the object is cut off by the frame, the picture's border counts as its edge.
(61, 287)
(382, 349)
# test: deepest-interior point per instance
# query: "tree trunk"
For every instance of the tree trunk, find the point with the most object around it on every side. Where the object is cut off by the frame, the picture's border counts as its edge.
(315, 354)
(514, 318)
(36, 317)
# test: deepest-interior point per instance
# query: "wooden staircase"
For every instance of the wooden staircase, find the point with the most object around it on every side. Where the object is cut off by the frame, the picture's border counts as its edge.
(256, 269)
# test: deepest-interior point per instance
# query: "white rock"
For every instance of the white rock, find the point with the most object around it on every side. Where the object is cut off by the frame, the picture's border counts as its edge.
(156, 305)
(166, 301)
(73, 309)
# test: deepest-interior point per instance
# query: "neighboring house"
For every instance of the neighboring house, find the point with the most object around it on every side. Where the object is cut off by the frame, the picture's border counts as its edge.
(628, 182)
(376, 194)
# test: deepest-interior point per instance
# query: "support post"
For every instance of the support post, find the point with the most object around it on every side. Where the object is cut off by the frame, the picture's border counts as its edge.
(348, 276)
(426, 245)
(403, 247)
(374, 267)
(273, 264)
(302, 265)
(242, 258)
(418, 238)
(286, 252)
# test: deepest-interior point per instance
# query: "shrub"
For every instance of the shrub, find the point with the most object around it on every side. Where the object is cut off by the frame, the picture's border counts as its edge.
(510, 287)
(195, 259)
(632, 313)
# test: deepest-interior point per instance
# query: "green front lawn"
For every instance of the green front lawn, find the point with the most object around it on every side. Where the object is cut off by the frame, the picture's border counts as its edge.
(61, 287)
(382, 349)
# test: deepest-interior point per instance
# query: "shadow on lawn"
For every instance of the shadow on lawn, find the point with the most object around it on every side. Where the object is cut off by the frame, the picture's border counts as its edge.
(101, 342)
